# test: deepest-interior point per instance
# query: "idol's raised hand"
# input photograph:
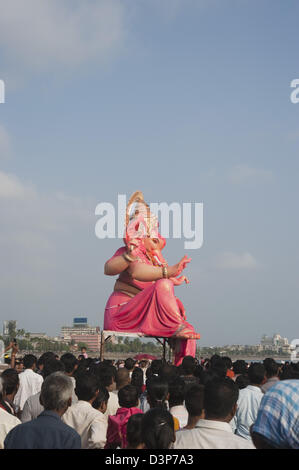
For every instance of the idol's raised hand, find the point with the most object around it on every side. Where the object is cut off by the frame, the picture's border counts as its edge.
(176, 270)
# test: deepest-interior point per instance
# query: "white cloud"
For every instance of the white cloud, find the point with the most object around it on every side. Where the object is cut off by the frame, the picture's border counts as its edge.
(40, 34)
(230, 260)
(12, 188)
(240, 174)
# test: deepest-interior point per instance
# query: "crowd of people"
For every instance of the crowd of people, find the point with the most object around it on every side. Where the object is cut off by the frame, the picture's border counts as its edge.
(71, 402)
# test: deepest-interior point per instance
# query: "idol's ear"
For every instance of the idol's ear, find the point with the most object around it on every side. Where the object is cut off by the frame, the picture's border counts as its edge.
(136, 197)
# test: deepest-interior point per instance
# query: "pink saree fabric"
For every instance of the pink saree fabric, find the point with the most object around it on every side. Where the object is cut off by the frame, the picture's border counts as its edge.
(154, 311)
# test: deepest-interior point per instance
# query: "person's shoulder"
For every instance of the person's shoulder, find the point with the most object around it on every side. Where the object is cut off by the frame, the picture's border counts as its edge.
(183, 437)
(20, 428)
(38, 377)
(99, 417)
(33, 398)
(113, 397)
(68, 428)
(69, 433)
(242, 443)
(183, 432)
(8, 418)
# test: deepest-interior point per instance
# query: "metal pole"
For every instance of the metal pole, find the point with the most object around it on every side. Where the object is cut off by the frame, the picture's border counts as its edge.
(102, 346)
(164, 349)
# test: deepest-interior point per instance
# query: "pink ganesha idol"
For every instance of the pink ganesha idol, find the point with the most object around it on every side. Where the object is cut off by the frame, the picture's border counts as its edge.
(143, 299)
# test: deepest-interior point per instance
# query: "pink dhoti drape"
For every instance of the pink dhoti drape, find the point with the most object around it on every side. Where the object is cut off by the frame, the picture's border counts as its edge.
(154, 311)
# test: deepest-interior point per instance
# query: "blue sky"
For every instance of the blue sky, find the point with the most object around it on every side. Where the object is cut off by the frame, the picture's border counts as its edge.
(186, 100)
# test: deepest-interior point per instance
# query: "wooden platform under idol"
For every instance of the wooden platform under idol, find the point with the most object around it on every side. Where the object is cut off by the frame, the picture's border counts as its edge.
(106, 335)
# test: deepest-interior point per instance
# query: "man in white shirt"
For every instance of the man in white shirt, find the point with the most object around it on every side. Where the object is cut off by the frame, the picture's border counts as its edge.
(215, 432)
(89, 423)
(32, 407)
(7, 420)
(30, 382)
(249, 401)
(107, 375)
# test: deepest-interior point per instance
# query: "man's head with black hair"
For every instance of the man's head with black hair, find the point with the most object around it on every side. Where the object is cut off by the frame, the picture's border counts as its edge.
(10, 381)
(289, 372)
(128, 397)
(51, 366)
(240, 367)
(70, 363)
(242, 381)
(156, 366)
(87, 387)
(29, 361)
(219, 366)
(220, 399)
(122, 378)
(100, 403)
(271, 367)
(188, 365)
(129, 364)
(194, 401)
(106, 375)
(176, 389)
(214, 358)
(44, 358)
(257, 374)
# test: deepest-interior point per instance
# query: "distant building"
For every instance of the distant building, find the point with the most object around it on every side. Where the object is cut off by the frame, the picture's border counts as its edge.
(81, 332)
(9, 326)
(38, 335)
(275, 343)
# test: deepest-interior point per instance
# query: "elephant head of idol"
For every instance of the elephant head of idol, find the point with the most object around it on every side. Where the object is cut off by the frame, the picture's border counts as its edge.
(142, 234)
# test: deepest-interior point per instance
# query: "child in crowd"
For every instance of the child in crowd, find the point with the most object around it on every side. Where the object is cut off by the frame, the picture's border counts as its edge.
(117, 425)
(157, 429)
(158, 395)
(134, 428)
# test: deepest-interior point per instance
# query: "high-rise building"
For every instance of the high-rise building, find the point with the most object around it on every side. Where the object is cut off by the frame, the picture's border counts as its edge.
(81, 332)
(9, 327)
